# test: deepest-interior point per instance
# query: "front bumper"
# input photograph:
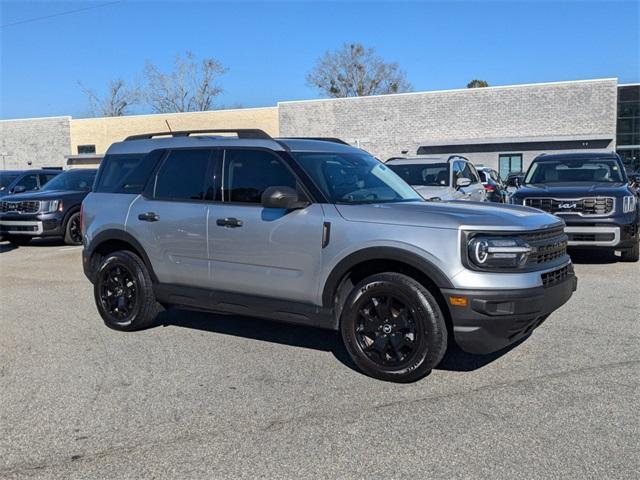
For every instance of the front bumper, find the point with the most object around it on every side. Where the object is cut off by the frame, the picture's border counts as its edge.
(35, 225)
(608, 235)
(494, 319)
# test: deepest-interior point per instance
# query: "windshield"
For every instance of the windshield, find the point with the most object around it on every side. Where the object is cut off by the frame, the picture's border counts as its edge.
(578, 170)
(355, 178)
(78, 180)
(6, 179)
(432, 175)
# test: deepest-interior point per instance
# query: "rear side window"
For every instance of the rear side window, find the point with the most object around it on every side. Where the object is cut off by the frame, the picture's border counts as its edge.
(183, 176)
(126, 173)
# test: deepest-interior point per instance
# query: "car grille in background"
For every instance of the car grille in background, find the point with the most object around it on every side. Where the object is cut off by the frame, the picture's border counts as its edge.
(556, 276)
(592, 206)
(18, 228)
(548, 245)
(27, 206)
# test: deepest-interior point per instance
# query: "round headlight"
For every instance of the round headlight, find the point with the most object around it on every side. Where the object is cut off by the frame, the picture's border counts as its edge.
(489, 252)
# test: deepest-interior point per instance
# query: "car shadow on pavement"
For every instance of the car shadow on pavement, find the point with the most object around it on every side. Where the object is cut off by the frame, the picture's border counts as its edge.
(305, 337)
(36, 242)
(7, 247)
(592, 257)
(260, 329)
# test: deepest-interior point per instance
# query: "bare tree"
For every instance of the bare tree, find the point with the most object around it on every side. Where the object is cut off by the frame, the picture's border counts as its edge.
(356, 71)
(115, 103)
(190, 87)
(477, 84)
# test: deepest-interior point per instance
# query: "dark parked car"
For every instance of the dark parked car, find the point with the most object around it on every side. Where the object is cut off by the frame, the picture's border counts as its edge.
(19, 181)
(54, 211)
(591, 193)
(493, 185)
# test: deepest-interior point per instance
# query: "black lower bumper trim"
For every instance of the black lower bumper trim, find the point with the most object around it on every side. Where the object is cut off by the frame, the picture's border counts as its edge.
(493, 320)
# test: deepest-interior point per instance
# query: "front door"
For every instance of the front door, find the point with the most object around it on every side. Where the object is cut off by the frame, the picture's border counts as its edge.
(262, 251)
(170, 220)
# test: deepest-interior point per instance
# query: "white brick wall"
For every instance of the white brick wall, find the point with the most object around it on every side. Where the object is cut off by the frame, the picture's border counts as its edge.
(41, 141)
(386, 125)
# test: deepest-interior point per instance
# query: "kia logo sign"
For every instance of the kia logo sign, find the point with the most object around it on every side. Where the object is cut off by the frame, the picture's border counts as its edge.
(567, 205)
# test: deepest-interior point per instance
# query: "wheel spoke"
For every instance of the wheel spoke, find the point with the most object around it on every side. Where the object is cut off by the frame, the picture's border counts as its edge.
(383, 307)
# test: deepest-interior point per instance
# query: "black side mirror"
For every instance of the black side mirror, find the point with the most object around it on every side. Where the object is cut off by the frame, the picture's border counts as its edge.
(19, 189)
(282, 197)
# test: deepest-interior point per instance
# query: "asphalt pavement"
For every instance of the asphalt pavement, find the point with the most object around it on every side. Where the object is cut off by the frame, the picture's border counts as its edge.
(209, 396)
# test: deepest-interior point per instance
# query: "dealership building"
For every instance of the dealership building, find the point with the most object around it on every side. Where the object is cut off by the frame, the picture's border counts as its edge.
(502, 127)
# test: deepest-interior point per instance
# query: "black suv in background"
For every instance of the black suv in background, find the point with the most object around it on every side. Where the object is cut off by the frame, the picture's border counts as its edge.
(53, 211)
(20, 181)
(591, 193)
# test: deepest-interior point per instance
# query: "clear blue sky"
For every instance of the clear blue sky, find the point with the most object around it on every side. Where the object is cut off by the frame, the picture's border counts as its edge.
(269, 47)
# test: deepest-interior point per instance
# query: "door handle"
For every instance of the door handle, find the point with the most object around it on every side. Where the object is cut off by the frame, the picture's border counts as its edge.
(229, 222)
(149, 217)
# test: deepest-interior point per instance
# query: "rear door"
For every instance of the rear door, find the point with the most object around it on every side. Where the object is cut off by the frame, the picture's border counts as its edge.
(263, 251)
(170, 218)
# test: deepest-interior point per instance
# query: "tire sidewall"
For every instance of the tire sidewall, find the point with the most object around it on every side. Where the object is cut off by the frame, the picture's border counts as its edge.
(126, 261)
(67, 229)
(425, 310)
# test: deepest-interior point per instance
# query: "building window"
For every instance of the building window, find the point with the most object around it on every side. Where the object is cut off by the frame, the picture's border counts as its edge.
(509, 162)
(84, 149)
(628, 131)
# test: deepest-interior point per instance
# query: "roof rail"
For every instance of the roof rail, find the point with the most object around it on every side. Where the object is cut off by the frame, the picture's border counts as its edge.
(323, 139)
(254, 133)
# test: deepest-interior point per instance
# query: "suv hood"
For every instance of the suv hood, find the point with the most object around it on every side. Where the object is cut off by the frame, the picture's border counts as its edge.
(43, 195)
(451, 215)
(572, 190)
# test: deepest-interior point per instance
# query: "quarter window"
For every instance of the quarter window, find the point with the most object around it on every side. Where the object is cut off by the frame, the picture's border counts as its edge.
(183, 176)
(248, 173)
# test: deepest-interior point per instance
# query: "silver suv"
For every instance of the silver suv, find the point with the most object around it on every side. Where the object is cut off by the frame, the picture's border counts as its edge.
(443, 178)
(316, 233)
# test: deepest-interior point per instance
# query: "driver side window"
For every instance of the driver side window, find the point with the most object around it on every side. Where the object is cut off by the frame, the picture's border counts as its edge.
(248, 173)
(29, 182)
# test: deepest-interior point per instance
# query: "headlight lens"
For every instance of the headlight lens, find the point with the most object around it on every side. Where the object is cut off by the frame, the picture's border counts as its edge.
(488, 253)
(50, 206)
(629, 204)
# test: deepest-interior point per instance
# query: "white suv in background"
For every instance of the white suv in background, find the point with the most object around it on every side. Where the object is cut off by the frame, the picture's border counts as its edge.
(444, 178)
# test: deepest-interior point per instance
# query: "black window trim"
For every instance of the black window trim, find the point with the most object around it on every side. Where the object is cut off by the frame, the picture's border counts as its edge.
(149, 190)
(288, 163)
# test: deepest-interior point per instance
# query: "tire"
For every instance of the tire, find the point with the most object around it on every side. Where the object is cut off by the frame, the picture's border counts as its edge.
(72, 230)
(408, 343)
(19, 240)
(123, 292)
(632, 254)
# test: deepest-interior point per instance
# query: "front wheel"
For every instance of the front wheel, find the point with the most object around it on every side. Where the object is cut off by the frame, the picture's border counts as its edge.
(123, 292)
(73, 230)
(631, 255)
(393, 328)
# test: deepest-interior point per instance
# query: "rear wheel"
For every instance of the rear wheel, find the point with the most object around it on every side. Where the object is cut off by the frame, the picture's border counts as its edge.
(73, 230)
(20, 240)
(393, 328)
(631, 255)
(124, 293)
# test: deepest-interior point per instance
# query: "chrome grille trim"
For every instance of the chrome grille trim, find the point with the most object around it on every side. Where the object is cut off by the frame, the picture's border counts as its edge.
(22, 206)
(584, 206)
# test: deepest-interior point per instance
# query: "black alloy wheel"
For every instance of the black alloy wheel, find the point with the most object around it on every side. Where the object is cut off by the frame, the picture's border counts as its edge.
(393, 328)
(386, 331)
(118, 293)
(73, 232)
(123, 292)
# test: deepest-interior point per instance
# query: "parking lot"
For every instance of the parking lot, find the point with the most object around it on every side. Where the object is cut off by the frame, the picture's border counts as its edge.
(206, 396)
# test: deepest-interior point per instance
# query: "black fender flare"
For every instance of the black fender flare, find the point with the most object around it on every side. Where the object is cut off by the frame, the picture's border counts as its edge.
(381, 253)
(119, 235)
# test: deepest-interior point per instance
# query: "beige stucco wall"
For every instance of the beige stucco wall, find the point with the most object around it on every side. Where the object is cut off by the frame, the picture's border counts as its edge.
(102, 132)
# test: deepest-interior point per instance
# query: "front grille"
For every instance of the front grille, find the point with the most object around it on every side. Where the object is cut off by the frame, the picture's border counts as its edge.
(592, 237)
(26, 206)
(591, 206)
(556, 276)
(548, 245)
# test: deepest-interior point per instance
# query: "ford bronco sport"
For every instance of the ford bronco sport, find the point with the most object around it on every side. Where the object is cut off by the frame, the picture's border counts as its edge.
(316, 233)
